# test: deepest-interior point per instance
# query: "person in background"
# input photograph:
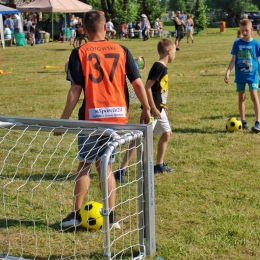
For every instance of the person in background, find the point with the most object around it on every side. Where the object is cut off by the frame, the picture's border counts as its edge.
(258, 28)
(178, 29)
(79, 32)
(29, 23)
(72, 24)
(104, 88)
(144, 27)
(189, 28)
(7, 34)
(123, 30)
(138, 25)
(183, 18)
(32, 33)
(156, 27)
(246, 59)
(9, 21)
(110, 28)
(17, 24)
(161, 24)
(157, 92)
(62, 28)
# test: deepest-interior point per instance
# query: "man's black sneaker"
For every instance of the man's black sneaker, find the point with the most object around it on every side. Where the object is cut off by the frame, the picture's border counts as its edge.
(112, 220)
(72, 219)
(119, 175)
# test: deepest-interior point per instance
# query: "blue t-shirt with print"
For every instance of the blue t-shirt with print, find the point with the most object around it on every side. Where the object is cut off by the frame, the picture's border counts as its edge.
(246, 66)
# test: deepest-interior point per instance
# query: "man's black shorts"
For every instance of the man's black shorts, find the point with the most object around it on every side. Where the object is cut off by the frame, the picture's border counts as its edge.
(179, 34)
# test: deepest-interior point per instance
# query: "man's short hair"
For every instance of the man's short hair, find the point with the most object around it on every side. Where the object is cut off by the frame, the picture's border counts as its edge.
(94, 21)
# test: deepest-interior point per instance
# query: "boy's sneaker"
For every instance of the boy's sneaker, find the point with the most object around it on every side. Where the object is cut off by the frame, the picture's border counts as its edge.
(72, 219)
(244, 125)
(167, 169)
(112, 220)
(159, 169)
(256, 127)
(119, 175)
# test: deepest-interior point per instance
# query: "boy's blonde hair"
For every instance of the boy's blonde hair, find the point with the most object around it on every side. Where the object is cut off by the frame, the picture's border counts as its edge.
(245, 22)
(163, 45)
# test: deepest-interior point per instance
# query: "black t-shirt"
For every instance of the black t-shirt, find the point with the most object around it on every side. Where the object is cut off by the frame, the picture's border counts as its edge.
(178, 27)
(159, 73)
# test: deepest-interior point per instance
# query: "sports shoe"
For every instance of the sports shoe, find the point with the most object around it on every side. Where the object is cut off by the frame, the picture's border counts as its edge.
(119, 175)
(72, 219)
(159, 169)
(112, 220)
(256, 127)
(244, 125)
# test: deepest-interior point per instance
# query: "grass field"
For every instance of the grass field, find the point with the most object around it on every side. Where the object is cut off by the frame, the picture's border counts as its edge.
(209, 208)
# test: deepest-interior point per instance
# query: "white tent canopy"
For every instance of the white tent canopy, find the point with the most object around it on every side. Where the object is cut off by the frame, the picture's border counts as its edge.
(5, 10)
(56, 6)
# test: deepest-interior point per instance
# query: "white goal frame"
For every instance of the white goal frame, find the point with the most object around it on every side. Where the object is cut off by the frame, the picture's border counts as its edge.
(124, 134)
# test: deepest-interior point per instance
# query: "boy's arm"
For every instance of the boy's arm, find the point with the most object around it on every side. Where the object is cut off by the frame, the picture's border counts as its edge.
(141, 95)
(259, 65)
(148, 88)
(230, 67)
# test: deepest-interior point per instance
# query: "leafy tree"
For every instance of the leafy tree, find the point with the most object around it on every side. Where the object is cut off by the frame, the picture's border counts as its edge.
(234, 8)
(200, 19)
(151, 8)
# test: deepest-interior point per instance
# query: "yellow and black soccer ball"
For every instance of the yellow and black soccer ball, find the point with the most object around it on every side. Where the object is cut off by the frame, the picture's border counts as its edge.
(233, 125)
(91, 217)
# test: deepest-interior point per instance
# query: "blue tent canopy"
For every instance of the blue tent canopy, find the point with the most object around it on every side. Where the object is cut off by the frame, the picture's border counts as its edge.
(7, 10)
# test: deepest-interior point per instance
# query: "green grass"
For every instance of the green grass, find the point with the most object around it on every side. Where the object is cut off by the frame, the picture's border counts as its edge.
(209, 207)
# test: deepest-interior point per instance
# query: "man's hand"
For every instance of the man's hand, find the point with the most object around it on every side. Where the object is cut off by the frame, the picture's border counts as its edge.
(145, 116)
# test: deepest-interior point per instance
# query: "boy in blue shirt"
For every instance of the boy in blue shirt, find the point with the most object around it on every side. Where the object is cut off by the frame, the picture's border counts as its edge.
(246, 58)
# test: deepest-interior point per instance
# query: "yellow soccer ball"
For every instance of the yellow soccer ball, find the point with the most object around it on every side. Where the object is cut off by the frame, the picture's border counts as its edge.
(233, 125)
(90, 214)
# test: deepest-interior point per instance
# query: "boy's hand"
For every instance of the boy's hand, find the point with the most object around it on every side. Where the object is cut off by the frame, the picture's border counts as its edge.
(226, 79)
(156, 113)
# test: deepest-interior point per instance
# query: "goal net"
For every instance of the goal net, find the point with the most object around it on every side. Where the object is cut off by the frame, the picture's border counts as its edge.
(37, 171)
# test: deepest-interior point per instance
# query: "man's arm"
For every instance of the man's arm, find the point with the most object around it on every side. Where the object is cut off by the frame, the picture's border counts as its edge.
(178, 21)
(72, 99)
(141, 95)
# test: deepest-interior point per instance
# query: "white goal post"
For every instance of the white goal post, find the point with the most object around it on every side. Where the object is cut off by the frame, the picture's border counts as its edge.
(37, 171)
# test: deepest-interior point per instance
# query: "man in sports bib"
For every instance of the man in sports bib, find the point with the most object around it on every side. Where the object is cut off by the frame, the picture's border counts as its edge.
(99, 69)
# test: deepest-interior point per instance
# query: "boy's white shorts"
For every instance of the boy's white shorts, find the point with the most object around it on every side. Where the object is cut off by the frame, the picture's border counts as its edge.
(161, 125)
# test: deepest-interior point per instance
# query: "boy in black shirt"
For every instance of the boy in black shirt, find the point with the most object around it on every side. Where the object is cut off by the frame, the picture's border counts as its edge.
(157, 91)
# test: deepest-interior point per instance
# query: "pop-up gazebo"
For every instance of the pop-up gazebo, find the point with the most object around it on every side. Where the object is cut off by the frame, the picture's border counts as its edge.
(55, 6)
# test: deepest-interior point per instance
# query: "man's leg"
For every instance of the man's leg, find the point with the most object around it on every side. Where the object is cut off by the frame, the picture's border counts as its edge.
(82, 183)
